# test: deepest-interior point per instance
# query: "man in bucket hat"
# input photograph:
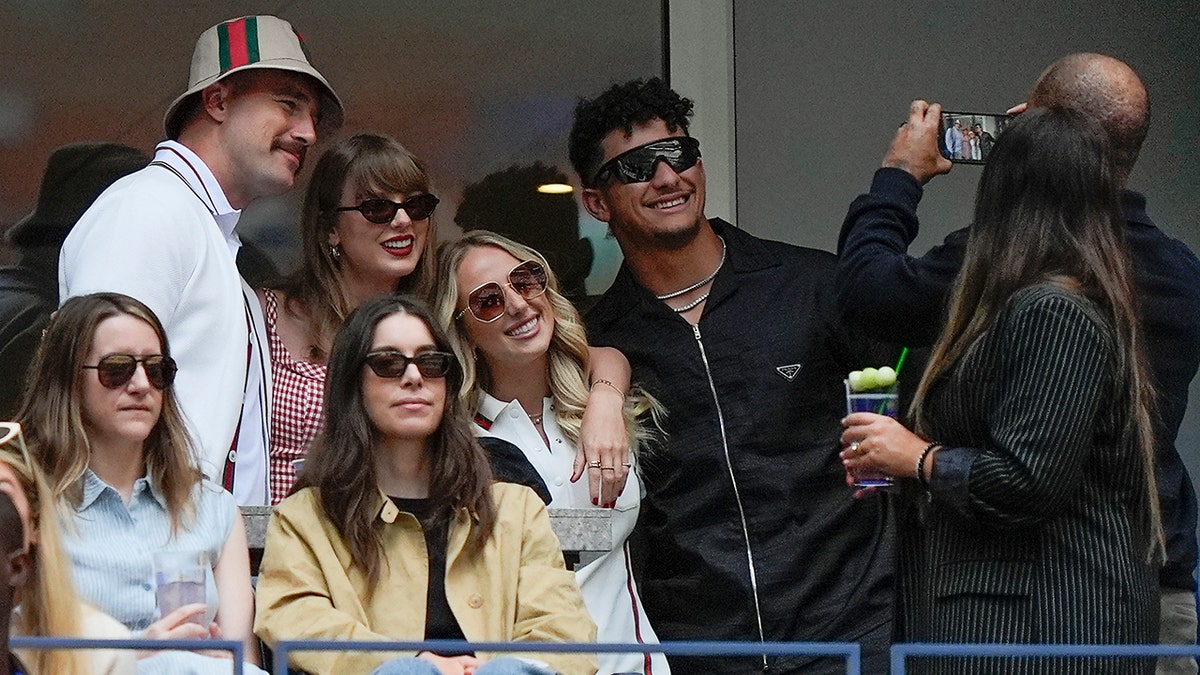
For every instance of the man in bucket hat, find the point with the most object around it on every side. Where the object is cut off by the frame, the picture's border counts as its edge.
(253, 108)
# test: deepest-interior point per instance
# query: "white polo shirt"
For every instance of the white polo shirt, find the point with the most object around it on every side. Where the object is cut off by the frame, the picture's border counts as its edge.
(607, 584)
(165, 235)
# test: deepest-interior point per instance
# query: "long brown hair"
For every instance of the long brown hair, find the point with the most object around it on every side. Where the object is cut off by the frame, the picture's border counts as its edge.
(52, 412)
(372, 164)
(1048, 210)
(341, 464)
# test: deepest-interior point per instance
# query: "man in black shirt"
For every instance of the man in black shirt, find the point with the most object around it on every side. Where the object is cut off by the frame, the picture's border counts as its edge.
(748, 530)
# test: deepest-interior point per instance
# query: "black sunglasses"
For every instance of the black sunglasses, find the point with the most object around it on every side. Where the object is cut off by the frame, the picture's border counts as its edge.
(486, 302)
(116, 370)
(380, 211)
(637, 164)
(393, 364)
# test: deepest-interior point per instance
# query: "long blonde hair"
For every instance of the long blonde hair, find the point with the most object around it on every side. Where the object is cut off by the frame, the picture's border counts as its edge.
(48, 602)
(52, 412)
(568, 360)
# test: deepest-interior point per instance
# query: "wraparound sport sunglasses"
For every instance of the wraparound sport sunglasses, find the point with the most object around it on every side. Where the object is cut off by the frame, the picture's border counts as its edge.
(393, 363)
(486, 302)
(381, 211)
(637, 164)
(116, 370)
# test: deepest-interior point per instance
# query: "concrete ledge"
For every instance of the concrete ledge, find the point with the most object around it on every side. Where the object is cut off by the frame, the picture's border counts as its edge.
(578, 530)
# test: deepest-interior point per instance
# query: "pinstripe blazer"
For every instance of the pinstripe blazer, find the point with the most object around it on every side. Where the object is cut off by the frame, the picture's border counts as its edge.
(1034, 528)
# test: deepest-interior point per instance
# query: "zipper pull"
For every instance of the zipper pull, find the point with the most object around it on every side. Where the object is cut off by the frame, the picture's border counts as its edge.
(696, 330)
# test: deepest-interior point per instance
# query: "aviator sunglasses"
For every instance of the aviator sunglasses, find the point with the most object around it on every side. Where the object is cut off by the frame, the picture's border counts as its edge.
(116, 370)
(381, 211)
(393, 364)
(486, 302)
(637, 164)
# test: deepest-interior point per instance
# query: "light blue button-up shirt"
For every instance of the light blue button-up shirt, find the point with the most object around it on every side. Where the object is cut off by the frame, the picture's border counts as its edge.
(112, 544)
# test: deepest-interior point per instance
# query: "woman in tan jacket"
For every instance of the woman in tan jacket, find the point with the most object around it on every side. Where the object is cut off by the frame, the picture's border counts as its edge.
(397, 531)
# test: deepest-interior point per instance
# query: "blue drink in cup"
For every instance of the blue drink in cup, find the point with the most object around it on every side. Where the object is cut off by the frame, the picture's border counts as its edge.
(884, 402)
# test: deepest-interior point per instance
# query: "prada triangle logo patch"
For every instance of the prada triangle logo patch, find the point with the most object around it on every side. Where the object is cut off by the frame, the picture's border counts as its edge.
(788, 372)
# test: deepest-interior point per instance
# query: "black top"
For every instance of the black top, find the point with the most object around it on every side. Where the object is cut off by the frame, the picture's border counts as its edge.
(1035, 527)
(902, 299)
(28, 294)
(748, 493)
(440, 623)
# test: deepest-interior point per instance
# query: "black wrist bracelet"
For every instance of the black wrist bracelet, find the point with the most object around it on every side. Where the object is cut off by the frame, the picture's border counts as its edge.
(921, 463)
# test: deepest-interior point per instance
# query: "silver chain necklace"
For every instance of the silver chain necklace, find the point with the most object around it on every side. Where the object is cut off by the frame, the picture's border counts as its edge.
(696, 285)
(690, 305)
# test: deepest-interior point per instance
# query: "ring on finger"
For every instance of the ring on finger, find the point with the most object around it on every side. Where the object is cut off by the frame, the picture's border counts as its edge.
(854, 446)
(594, 465)
(626, 465)
(607, 468)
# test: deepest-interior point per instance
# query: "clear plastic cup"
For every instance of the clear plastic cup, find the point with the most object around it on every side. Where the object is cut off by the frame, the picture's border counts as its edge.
(181, 578)
(879, 402)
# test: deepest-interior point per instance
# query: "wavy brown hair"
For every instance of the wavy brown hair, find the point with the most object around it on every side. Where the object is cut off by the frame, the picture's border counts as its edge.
(374, 164)
(52, 411)
(1048, 211)
(341, 461)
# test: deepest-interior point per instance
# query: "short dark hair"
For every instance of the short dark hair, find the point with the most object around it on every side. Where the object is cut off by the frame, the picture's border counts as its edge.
(620, 107)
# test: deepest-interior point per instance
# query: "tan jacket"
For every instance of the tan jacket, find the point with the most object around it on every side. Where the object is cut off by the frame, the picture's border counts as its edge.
(516, 589)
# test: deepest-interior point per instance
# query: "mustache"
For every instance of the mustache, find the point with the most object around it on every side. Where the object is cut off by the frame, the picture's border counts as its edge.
(298, 148)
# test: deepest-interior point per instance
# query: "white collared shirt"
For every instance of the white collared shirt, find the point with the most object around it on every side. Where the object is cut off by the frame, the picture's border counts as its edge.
(151, 235)
(607, 583)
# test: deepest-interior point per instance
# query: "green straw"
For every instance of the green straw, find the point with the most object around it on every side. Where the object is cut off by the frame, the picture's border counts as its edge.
(899, 364)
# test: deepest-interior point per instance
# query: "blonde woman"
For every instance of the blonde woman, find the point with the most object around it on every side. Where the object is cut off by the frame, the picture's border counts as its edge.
(44, 597)
(101, 416)
(525, 356)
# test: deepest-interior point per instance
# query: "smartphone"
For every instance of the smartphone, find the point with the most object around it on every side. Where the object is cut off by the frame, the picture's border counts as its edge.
(968, 137)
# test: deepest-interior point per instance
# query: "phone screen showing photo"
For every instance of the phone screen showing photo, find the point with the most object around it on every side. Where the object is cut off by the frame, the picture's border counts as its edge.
(968, 137)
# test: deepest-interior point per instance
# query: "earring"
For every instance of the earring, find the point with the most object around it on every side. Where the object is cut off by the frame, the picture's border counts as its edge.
(335, 251)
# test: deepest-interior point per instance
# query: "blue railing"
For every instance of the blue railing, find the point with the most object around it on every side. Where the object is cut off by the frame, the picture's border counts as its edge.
(900, 652)
(850, 651)
(41, 643)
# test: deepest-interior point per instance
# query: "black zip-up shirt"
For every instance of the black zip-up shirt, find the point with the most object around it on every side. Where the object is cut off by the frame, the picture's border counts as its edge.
(747, 514)
(903, 299)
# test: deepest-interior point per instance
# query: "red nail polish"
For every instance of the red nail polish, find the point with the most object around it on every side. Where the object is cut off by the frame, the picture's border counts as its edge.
(595, 501)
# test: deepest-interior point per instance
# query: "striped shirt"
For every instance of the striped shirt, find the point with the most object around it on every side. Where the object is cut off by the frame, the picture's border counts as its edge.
(112, 544)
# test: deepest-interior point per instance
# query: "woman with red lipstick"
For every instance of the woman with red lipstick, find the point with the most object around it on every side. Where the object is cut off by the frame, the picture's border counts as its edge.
(525, 357)
(366, 222)
(397, 531)
(366, 219)
(101, 416)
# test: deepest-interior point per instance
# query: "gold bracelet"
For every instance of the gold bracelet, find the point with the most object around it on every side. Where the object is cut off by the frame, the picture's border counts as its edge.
(609, 383)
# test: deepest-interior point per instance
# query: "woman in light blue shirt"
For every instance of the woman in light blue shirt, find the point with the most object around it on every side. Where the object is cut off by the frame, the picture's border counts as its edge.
(101, 417)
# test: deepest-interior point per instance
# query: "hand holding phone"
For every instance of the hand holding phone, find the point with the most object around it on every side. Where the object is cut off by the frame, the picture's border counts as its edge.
(968, 137)
(915, 147)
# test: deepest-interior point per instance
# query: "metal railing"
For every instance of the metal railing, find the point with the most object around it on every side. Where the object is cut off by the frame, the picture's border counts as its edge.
(850, 651)
(42, 643)
(901, 652)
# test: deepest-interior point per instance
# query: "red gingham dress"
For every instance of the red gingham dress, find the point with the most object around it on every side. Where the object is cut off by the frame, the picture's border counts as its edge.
(297, 399)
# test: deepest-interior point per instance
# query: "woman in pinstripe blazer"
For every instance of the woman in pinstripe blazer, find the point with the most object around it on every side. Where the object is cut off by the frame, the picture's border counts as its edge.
(1029, 518)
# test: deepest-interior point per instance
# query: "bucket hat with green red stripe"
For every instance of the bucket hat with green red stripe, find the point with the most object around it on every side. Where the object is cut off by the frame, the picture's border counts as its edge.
(251, 42)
